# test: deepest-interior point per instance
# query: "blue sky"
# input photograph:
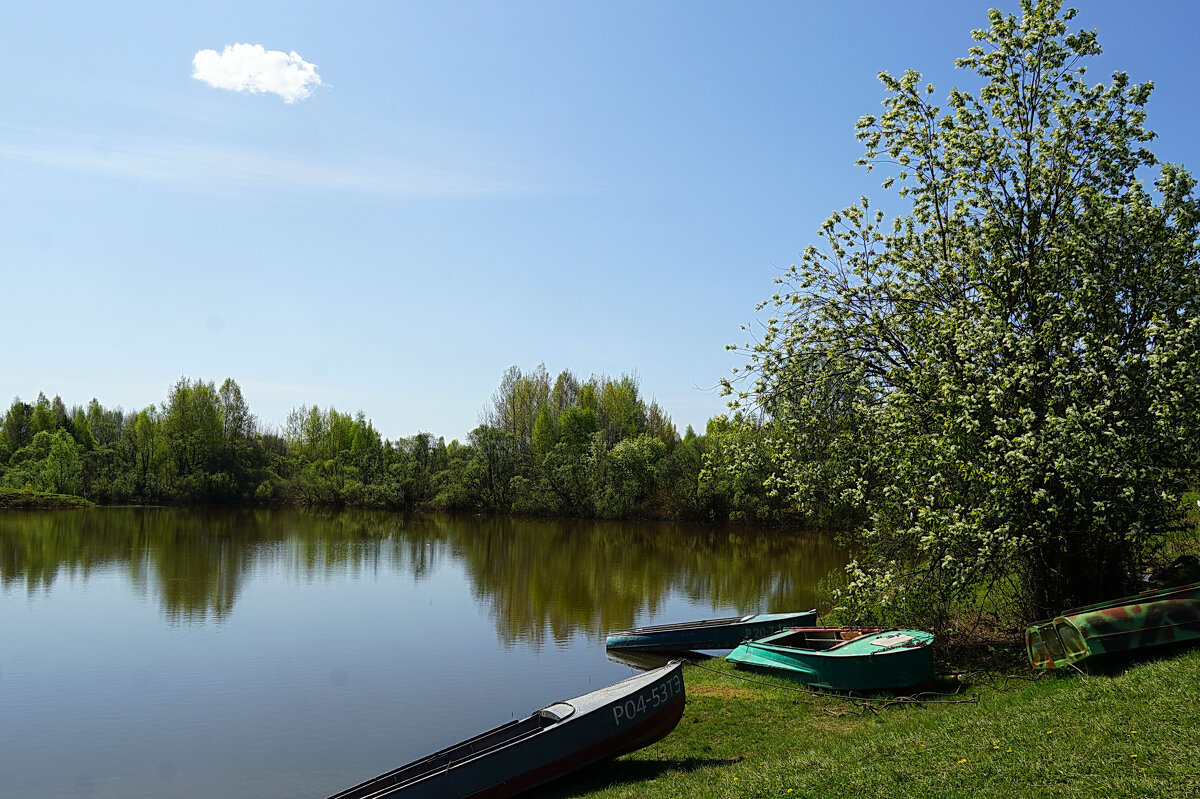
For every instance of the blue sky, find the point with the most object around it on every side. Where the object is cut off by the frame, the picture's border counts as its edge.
(607, 187)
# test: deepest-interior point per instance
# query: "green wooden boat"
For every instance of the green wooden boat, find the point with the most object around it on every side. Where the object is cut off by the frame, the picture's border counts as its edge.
(843, 658)
(1163, 616)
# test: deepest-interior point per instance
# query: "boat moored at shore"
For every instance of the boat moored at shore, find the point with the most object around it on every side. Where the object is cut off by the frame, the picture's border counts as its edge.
(843, 658)
(1151, 618)
(553, 741)
(707, 634)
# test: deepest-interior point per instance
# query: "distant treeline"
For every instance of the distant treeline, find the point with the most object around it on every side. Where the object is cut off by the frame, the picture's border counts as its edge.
(553, 447)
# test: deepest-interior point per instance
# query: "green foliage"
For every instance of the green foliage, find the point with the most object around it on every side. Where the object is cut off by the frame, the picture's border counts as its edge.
(1002, 384)
(42, 417)
(28, 499)
(50, 463)
(679, 478)
(81, 431)
(561, 447)
(16, 430)
(494, 463)
(146, 448)
(105, 425)
(192, 426)
(518, 402)
(628, 478)
(579, 449)
(620, 410)
(1190, 503)
(738, 472)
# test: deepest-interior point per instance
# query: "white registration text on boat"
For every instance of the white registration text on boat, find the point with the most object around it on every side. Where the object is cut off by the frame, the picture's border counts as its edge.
(647, 701)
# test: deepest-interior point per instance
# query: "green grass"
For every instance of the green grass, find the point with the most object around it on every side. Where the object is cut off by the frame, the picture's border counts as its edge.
(1131, 732)
(1191, 506)
(27, 499)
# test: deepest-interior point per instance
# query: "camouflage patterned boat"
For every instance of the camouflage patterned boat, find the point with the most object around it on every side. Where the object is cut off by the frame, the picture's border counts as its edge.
(1163, 616)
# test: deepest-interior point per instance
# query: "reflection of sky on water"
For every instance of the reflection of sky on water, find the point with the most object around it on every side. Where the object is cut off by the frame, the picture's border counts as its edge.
(173, 653)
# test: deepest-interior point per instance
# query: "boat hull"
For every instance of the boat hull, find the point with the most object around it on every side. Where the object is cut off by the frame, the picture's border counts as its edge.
(554, 741)
(1164, 616)
(707, 634)
(843, 658)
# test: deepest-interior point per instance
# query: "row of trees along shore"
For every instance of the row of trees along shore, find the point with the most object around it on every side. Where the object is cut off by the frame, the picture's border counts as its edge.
(555, 447)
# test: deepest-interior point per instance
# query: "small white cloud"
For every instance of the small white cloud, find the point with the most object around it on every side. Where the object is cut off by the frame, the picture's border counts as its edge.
(252, 68)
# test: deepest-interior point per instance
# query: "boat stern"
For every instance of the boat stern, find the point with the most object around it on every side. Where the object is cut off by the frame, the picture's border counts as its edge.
(1055, 643)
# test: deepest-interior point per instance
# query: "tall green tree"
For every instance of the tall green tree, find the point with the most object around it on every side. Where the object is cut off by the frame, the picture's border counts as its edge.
(192, 425)
(17, 429)
(62, 468)
(81, 431)
(493, 465)
(105, 424)
(565, 392)
(517, 402)
(620, 409)
(567, 462)
(659, 425)
(1003, 380)
(42, 417)
(237, 423)
(307, 433)
(50, 462)
(147, 452)
(627, 480)
(736, 481)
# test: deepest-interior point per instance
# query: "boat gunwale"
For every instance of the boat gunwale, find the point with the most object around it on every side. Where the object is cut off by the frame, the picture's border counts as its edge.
(1152, 595)
(685, 625)
(1088, 634)
(703, 624)
(440, 762)
(768, 643)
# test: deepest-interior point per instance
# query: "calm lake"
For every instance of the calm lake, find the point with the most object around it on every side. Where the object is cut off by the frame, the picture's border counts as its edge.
(152, 652)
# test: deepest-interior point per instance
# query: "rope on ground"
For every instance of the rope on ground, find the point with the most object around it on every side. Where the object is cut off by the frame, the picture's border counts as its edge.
(873, 704)
(997, 682)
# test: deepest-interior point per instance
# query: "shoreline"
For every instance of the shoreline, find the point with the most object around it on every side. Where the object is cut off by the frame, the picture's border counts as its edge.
(1129, 730)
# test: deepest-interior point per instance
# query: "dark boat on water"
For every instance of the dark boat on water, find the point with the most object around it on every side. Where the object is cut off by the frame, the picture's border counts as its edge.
(553, 741)
(1164, 616)
(707, 634)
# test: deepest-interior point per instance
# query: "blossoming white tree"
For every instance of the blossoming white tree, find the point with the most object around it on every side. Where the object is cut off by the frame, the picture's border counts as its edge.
(1002, 384)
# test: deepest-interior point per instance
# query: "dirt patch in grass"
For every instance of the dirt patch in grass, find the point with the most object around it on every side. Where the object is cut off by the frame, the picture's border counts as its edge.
(723, 691)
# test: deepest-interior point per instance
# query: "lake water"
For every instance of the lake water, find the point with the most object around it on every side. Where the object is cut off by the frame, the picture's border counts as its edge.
(151, 652)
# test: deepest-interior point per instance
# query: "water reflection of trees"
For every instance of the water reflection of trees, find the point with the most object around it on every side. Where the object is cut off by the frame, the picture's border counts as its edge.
(540, 580)
(554, 579)
(199, 559)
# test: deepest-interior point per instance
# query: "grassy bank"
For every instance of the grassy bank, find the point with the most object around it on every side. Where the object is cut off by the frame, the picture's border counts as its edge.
(24, 499)
(1133, 731)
